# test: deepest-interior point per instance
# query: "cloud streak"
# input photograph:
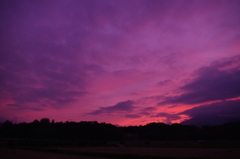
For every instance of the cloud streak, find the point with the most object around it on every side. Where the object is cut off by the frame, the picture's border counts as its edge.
(126, 106)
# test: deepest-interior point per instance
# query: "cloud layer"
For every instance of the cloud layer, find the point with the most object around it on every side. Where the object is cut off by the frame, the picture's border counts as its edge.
(124, 62)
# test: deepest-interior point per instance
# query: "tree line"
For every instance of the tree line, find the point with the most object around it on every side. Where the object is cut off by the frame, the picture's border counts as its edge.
(93, 131)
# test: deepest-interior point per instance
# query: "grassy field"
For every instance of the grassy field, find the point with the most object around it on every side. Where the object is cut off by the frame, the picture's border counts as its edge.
(120, 153)
(130, 150)
(6, 153)
(147, 152)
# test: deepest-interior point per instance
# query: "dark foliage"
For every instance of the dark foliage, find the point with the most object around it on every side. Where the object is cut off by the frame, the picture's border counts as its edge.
(94, 131)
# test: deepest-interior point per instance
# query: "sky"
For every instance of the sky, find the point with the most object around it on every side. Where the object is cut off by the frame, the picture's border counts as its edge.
(124, 62)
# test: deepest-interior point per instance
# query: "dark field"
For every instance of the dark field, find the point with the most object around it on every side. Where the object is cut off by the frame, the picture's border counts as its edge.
(29, 154)
(119, 149)
(168, 152)
(119, 152)
(135, 149)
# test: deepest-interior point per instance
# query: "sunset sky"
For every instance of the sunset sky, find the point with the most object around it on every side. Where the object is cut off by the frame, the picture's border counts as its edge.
(125, 62)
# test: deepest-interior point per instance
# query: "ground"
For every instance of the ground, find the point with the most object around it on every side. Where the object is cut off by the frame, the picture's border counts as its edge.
(28, 154)
(208, 153)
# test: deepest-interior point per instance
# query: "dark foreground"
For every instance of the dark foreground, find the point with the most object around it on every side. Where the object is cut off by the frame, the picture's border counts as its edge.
(121, 152)
(6, 153)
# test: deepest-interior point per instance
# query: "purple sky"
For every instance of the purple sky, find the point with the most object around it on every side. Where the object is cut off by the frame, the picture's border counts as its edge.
(125, 62)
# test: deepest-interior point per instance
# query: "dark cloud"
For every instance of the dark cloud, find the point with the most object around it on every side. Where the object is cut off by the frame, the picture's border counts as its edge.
(149, 109)
(41, 85)
(126, 106)
(27, 107)
(144, 113)
(138, 115)
(168, 116)
(133, 116)
(227, 63)
(146, 99)
(213, 114)
(212, 83)
(224, 108)
(164, 83)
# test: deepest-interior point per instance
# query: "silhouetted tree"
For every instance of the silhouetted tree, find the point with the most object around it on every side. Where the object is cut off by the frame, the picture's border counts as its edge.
(94, 131)
(45, 121)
